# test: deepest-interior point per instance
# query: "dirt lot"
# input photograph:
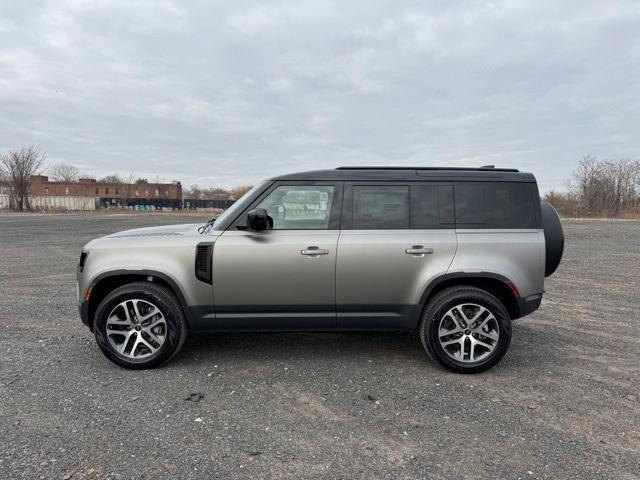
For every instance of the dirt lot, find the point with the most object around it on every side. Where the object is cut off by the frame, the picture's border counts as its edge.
(564, 402)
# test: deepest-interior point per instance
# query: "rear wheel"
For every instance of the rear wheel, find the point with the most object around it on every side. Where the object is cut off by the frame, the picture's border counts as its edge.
(465, 329)
(140, 325)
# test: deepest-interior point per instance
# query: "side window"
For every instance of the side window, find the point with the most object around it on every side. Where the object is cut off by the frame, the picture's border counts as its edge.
(432, 206)
(299, 207)
(494, 205)
(380, 207)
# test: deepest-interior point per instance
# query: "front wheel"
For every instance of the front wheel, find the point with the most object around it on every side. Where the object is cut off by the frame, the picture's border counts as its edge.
(465, 329)
(140, 325)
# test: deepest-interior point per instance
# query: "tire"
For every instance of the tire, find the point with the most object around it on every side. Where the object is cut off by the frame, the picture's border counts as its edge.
(553, 238)
(140, 310)
(492, 329)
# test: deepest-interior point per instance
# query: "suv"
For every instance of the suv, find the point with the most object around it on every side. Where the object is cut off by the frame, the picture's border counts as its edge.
(453, 254)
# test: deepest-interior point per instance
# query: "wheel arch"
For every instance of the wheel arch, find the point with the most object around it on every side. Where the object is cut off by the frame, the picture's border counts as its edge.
(106, 282)
(497, 285)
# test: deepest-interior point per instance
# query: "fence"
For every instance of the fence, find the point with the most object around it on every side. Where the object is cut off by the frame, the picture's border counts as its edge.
(196, 204)
(144, 204)
(53, 203)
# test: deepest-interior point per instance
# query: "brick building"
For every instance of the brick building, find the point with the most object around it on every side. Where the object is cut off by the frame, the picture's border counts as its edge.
(89, 194)
(89, 187)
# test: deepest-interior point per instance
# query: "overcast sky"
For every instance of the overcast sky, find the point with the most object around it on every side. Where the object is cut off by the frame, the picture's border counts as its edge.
(228, 94)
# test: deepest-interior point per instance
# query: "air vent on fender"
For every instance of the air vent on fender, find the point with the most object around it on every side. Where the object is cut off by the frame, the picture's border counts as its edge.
(204, 258)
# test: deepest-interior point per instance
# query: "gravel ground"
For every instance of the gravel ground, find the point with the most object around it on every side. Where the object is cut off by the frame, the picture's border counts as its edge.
(563, 403)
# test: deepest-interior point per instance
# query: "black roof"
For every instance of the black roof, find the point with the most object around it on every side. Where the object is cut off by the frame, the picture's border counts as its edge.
(413, 174)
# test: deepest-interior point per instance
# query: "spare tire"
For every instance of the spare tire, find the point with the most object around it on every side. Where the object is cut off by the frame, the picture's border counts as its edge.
(553, 238)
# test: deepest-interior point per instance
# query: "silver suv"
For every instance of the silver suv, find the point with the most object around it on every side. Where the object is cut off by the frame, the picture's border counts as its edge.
(453, 254)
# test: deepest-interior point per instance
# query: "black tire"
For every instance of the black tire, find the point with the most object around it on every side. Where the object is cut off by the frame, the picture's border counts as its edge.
(445, 300)
(165, 301)
(553, 238)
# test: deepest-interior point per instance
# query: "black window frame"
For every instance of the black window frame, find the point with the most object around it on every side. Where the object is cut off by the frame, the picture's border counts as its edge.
(334, 217)
(348, 210)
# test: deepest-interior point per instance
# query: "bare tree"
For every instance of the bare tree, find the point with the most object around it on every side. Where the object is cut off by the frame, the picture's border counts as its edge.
(239, 191)
(113, 178)
(127, 188)
(18, 167)
(64, 172)
(607, 188)
(198, 193)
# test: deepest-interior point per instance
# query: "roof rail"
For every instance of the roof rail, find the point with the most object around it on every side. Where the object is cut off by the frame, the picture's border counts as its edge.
(484, 168)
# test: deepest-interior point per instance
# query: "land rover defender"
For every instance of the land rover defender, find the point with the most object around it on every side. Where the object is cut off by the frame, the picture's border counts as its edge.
(452, 254)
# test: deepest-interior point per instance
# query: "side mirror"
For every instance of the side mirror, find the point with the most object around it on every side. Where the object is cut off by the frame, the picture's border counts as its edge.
(258, 220)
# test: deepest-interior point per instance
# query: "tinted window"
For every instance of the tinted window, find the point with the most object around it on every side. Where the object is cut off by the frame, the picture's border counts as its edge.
(432, 206)
(494, 205)
(302, 207)
(380, 207)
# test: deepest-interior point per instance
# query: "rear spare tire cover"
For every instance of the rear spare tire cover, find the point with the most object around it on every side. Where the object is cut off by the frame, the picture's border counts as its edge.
(553, 237)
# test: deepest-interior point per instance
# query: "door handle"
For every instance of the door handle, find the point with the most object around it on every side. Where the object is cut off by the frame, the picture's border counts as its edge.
(314, 251)
(419, 250)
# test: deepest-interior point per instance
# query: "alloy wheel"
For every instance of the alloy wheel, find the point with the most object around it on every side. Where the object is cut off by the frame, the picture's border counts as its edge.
(468, 332)
(136, 328)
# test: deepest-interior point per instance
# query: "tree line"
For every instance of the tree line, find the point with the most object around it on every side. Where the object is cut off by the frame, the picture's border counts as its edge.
(600, 188)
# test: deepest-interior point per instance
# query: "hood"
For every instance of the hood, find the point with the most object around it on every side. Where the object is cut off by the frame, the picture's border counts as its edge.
(187, 229)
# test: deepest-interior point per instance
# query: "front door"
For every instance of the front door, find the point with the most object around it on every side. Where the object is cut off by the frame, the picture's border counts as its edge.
(282, 278)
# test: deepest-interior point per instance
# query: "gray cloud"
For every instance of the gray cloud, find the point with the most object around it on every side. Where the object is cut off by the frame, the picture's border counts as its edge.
(235, 92)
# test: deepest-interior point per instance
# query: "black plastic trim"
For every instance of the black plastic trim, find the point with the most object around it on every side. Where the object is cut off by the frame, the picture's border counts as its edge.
(530, 304)
(83, 308)
(204, 275)
(412, 174)
(471, 169)
(154, 273)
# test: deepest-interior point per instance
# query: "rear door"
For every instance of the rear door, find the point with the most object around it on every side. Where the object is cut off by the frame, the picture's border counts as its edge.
(395, 239)
(283, 278)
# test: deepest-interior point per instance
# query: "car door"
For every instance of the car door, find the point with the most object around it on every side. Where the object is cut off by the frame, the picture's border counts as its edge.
(284, 277)
(396, 239)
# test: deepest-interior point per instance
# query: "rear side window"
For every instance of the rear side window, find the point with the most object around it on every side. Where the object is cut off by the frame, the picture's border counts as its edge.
(494, 205)
(403, 206)
(380, 207)
(432, 206)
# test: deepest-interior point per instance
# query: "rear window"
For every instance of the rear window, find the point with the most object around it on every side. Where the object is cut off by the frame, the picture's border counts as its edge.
(494, 205)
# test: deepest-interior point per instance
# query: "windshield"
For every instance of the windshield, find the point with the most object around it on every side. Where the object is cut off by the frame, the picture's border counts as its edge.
(238, 206)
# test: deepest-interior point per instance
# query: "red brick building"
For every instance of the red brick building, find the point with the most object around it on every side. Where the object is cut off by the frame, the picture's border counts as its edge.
(89, 187)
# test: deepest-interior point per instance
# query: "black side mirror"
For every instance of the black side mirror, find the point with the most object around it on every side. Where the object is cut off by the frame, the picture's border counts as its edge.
(258, 220)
